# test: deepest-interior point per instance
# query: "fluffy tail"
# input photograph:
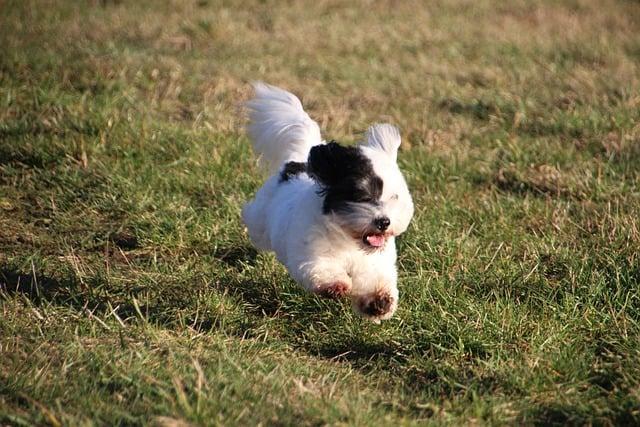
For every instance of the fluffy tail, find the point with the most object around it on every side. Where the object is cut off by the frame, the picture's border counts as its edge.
(279, 129)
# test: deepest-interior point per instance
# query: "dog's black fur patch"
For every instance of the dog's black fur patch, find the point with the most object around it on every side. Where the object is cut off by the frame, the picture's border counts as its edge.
(291, 169)
(345, 174)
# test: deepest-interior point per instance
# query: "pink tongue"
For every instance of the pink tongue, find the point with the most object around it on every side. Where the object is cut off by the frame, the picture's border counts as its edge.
(376, 240)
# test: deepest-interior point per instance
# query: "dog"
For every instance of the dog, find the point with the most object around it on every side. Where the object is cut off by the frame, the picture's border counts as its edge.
(330, 212)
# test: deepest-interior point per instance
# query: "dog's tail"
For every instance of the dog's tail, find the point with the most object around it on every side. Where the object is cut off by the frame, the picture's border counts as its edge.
(279, 129)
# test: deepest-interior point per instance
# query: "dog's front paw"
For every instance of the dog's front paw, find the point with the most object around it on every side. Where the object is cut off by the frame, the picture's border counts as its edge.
(333, 290)
(377, 306)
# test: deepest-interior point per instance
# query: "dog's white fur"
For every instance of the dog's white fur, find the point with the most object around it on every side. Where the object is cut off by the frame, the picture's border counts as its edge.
(319, 249)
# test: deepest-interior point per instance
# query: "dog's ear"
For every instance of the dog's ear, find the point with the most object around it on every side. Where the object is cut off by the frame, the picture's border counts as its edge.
(384, 137)
(332, 163)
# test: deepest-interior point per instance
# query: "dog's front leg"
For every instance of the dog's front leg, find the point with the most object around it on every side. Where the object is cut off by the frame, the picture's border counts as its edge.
(375, 289)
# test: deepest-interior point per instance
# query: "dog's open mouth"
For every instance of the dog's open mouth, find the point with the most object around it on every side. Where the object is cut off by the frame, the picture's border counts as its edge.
(374, 240)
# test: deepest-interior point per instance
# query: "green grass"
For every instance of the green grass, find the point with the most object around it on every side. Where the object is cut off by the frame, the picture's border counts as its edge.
(130, 293)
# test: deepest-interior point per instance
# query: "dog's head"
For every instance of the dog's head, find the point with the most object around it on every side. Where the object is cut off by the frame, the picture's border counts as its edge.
(363, 187)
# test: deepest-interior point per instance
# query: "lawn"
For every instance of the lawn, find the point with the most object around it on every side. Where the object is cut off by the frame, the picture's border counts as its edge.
(130, 293)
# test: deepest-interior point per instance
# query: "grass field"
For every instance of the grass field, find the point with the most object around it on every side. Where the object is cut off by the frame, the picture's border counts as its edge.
(130, 294)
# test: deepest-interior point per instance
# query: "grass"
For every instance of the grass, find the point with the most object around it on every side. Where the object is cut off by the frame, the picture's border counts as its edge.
(130, 294)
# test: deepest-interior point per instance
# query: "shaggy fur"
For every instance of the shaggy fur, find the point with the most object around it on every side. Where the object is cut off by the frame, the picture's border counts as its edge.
(329, 212)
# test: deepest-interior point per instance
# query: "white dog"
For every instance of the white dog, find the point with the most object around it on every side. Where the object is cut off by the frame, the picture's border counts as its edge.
(329, 212)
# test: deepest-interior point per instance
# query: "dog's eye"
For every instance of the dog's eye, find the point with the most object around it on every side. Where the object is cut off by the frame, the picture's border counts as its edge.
(361, 196)
(394, 197)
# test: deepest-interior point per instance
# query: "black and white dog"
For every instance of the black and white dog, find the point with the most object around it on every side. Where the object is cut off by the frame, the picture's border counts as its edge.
(329, 212)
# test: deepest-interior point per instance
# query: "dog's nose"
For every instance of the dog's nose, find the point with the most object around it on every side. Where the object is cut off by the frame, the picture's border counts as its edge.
(382, 223)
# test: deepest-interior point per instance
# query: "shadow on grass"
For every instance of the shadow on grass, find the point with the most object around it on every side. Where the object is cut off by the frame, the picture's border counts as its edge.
(359, 352)
(260, 299)
(168, 302)
(90, 298)
(555, 415)
(65, 291)
(620, 411)
(535, 182)
(33, 286)
(477, 109)
(235, 256)
(26, 156)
